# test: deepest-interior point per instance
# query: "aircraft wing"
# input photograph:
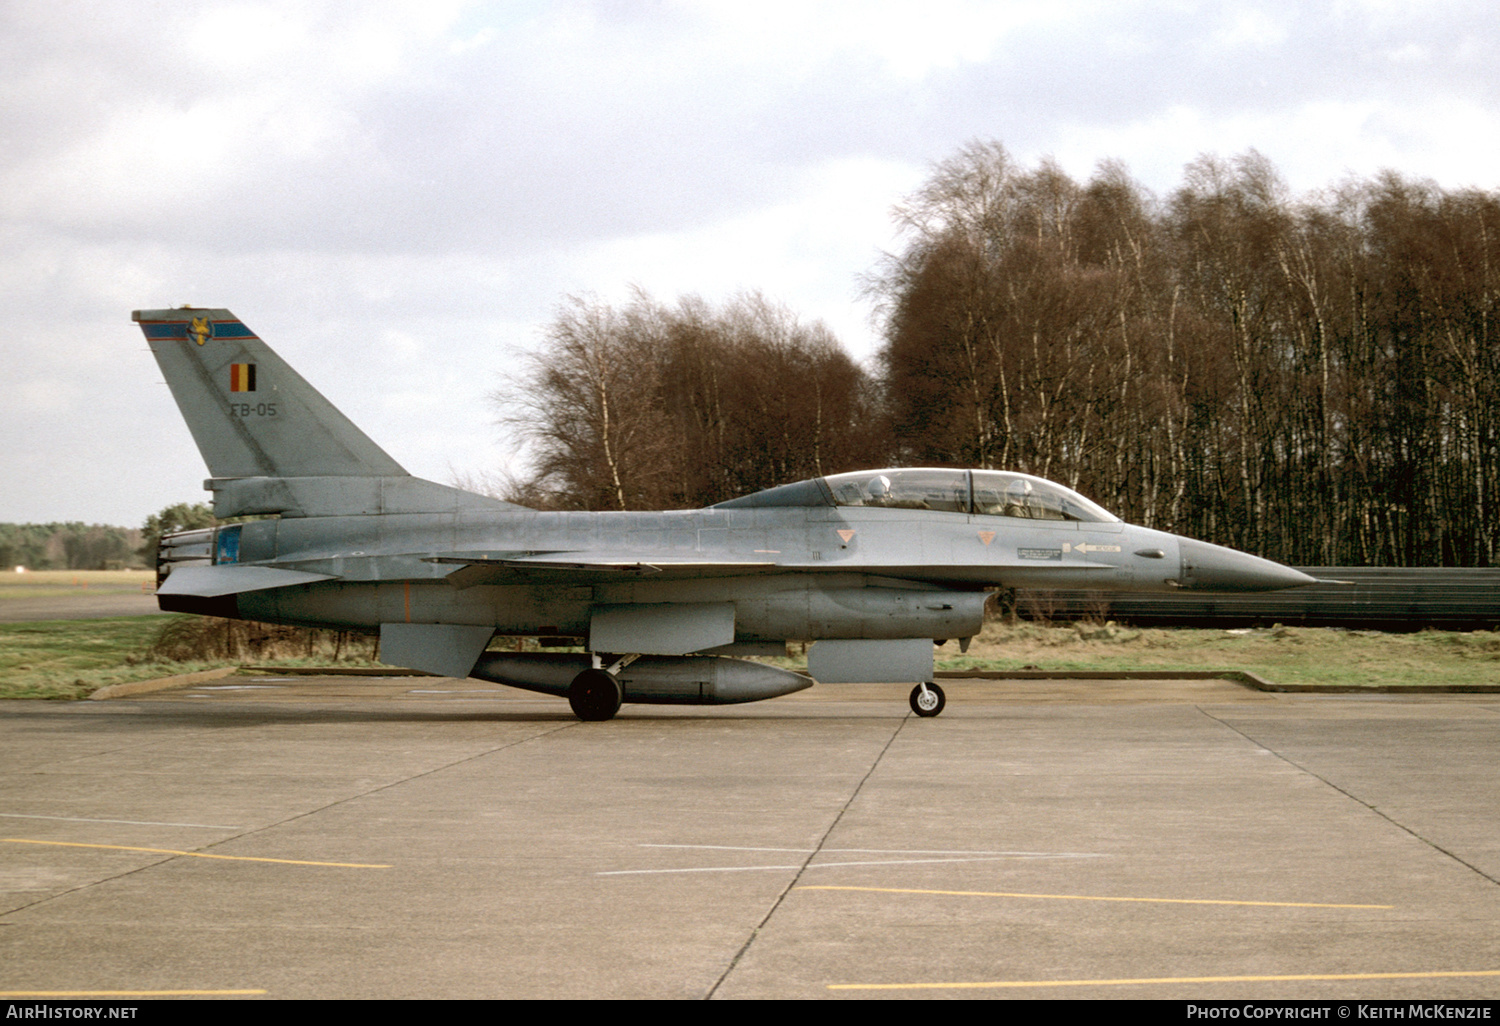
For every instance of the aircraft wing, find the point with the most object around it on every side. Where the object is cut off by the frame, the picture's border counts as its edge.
(477, 570)
(595, 567)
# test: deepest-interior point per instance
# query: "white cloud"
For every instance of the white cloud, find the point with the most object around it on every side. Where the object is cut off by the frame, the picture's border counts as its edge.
(1252, 27)
(805, 251)
(1314, 145)
(397, 194)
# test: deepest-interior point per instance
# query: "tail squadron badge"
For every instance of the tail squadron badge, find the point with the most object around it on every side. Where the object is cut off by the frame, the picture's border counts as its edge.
(200, 330)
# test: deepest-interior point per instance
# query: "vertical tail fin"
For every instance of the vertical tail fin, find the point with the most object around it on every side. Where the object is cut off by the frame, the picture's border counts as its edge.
(272, 442)
(249, 412)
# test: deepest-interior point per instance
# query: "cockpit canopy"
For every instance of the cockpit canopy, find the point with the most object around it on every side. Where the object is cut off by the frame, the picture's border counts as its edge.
(985, 492)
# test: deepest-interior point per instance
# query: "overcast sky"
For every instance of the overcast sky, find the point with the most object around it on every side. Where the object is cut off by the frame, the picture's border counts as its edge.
(397, 195)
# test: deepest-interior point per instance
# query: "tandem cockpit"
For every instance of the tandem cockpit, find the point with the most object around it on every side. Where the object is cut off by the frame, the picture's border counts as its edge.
(979, 492)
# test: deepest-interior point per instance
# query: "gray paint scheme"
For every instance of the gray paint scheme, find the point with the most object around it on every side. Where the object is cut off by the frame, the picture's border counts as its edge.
(360, 544)
(654, 680)
(662, 629)
(275, 444)
(870, 662)
(214, 581)
(447, 649)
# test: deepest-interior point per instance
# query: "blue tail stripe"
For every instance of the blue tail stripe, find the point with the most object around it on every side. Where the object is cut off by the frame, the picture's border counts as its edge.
(178, 329)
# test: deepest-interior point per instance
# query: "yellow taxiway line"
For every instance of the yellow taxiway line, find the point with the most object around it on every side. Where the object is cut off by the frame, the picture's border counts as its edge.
(1084, 897)
(125, 993)
(193, 854)
(1314, 977)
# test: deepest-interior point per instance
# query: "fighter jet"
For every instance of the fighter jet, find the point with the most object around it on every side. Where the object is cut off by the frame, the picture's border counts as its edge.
(871, 568)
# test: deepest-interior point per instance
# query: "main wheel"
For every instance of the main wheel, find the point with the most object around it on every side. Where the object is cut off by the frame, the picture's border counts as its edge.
(927, 700)
(595, 696)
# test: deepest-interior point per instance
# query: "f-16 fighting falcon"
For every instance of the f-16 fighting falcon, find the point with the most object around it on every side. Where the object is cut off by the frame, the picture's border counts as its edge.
(873, 568)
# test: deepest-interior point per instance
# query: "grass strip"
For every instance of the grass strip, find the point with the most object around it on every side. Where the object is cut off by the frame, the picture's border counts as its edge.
(68, 659)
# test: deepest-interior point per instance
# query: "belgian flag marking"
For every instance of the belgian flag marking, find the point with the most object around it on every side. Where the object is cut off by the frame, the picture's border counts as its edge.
(242, 377)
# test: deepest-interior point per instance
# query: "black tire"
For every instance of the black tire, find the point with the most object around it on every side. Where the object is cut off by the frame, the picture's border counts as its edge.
(929, 707)
(595, 696)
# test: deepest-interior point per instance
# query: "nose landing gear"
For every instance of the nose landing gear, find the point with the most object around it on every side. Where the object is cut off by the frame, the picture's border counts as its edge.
(927, 699)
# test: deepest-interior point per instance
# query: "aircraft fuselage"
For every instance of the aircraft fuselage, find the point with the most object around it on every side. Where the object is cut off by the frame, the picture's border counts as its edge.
(791, 573)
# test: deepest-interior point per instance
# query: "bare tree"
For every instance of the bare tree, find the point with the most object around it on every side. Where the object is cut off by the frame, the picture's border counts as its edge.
(1314, 380)
(651, 406)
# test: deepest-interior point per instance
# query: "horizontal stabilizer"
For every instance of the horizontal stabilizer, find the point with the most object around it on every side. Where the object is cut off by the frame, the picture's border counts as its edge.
(213, 581)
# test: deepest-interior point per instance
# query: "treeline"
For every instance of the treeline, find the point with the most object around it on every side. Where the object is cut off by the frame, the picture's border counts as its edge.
(77, 546)
(657, 407)
(69, 546)
(1311, 379)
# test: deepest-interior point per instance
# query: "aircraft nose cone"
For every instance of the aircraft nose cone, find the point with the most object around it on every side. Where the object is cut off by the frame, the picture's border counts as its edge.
(1208, 567)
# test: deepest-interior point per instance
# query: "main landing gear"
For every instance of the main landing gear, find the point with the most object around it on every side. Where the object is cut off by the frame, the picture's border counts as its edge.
(927, 699)
(595, 695)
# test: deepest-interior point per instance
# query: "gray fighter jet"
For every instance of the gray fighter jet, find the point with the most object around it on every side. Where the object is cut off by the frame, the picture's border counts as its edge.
(872, 568)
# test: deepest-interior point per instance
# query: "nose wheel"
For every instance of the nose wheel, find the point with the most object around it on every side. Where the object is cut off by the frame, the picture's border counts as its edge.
(927, 699)
(595, 696)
